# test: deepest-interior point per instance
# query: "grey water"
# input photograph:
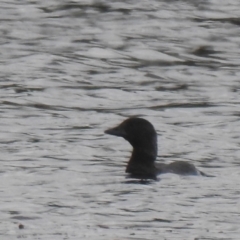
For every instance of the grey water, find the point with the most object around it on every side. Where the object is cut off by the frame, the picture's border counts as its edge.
(71, 69)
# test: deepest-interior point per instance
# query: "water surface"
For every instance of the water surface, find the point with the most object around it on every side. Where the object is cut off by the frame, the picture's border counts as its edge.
(69, 70)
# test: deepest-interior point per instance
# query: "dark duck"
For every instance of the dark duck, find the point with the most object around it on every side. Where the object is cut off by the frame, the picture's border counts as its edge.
(141, 134)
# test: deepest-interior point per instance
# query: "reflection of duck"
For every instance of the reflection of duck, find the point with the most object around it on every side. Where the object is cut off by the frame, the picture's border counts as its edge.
(142, 136)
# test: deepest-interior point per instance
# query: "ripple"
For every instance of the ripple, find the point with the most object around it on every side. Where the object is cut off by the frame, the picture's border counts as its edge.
(71, 70)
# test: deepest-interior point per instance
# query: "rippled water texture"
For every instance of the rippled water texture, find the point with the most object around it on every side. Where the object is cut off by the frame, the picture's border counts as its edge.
(71, 70)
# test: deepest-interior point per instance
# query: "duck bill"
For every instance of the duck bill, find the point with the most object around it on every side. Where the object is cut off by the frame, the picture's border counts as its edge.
(117, 131)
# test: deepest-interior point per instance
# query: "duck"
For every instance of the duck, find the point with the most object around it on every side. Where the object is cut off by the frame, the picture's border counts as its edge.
(141, 134)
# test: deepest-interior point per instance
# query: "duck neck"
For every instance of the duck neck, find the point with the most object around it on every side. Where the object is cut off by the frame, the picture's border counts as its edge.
(142, 162)
(143, 156)
(146, 152)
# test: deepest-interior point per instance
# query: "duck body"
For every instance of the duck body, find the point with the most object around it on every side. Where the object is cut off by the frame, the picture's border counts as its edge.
(141, 134)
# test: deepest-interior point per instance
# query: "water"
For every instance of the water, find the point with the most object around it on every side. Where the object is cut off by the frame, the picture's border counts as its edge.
(71, 70)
